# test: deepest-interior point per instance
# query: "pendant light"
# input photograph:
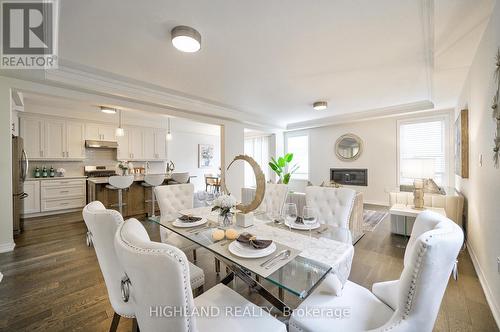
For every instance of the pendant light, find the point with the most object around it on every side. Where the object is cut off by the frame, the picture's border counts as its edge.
(169, 134)
(119, 131)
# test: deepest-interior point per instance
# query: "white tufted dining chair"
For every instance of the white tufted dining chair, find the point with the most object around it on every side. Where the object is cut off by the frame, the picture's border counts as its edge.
(334, 205)
(410, 304)
(172, 199)
(102, 225)
(156, 279)
(274, 197)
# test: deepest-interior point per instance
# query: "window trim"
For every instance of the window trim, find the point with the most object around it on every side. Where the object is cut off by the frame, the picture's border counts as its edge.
(448, 144)
(296, 134)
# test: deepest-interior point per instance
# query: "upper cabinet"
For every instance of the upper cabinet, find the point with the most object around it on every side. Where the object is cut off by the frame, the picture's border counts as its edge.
(52, 139)
(142, 144)
(100, 132)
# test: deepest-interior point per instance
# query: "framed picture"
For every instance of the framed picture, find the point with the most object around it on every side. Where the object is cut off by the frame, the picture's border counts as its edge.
(205, 155)
(462, 144)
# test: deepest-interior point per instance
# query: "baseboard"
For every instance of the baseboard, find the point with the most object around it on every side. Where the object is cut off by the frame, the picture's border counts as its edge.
(49, 213)
(6, 247)
(495, 308)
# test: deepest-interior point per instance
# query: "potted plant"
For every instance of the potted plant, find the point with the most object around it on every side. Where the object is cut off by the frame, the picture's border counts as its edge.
(282, 169)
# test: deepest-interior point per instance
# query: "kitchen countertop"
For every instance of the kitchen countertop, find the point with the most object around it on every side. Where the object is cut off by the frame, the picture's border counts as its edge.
(57, 178)
(104, 180)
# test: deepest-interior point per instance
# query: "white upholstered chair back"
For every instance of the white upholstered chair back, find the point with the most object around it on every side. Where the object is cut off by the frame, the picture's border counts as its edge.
(172, 199)
(334, 205)
(274, 197)
(102, 224)
(180, 177)
(429, 259)
(159, 278)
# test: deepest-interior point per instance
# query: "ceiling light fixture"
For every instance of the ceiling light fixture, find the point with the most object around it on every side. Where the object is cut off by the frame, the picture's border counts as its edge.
(169, 134)
(119, 131)
(108, 110)
(186, 39)
(320, 105)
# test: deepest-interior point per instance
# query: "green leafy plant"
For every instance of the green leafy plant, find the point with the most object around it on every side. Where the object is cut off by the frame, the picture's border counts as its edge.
(282, 169)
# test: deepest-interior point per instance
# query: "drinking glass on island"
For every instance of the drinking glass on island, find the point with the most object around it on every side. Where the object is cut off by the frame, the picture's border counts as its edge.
(309, 217)
(290, 212)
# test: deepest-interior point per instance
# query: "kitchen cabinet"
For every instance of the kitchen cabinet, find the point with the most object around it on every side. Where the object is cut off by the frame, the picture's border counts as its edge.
(136, 143)
(54, 135)
(52, 139)
(31, 204)
(100, 132)
(123, 152)
(149, 144)
(160, 143)
(31, 131)
(75, 139)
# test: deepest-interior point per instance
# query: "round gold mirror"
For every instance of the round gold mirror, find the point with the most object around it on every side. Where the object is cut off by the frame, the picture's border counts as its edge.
(348, 147)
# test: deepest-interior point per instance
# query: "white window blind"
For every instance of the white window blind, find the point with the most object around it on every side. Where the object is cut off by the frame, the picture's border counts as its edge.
(299, 146)
(426, 140)
(258, 149)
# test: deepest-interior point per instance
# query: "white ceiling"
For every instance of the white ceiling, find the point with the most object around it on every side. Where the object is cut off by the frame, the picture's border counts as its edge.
(274, 58)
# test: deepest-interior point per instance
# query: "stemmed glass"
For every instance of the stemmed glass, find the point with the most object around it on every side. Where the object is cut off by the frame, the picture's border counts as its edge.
(290, 212)
(210, 199)
(309, 216)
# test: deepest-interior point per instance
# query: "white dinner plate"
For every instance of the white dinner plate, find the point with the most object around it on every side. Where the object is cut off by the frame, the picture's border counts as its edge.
(245, 251)
(183, 224)
(302, 227)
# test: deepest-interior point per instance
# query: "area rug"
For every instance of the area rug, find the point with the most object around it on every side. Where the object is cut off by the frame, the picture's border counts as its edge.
(372, 218)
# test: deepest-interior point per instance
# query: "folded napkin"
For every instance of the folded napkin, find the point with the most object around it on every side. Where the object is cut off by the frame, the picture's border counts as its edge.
(186, 218)
(250, 239)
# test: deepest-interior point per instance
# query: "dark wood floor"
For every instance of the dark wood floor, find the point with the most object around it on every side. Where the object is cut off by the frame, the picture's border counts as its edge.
(52, 280)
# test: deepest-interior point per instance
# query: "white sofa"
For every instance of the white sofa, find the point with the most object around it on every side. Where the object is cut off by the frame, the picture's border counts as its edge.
(452, 203)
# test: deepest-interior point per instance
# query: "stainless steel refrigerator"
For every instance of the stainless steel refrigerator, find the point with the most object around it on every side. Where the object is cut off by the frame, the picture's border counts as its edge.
(19, 173)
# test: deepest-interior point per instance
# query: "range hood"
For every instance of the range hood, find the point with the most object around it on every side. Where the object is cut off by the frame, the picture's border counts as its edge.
(101, 144)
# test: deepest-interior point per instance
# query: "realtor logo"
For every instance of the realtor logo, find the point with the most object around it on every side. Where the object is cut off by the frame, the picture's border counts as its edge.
(29, 34)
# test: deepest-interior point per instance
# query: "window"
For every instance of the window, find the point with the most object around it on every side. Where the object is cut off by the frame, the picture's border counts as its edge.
(298, 144)
(423, 139)
(258, 149)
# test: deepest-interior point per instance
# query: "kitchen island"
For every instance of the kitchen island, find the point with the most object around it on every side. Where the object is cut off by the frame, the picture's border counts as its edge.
(134, 197)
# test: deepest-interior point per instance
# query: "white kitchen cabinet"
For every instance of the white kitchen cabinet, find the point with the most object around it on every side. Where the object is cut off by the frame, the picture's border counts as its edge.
(100, 132)
(160, 144)
(32, 202)
(52, 139)
(123, 152)
(149, 144)
(136, 143)
(32, 132)
(75, 140)
(55, 135)
(62, 194)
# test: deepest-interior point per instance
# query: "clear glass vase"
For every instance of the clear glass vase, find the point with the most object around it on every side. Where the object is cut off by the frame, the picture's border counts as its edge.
(225, 219)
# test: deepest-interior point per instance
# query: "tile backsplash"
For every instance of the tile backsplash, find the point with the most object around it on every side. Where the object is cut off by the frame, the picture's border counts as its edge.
(94, 157)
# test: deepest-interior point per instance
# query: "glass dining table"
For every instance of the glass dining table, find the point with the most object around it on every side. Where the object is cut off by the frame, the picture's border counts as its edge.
(299, 276)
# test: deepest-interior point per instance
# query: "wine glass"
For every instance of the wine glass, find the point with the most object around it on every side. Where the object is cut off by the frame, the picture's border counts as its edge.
(309, 216)
(290, 212)
(210, 199)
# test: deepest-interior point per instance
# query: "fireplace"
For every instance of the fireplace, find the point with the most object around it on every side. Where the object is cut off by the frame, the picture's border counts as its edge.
(350, 176)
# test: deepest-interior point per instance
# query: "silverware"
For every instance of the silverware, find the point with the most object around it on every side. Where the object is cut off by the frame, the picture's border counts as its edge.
(282, 258)
(273, 258)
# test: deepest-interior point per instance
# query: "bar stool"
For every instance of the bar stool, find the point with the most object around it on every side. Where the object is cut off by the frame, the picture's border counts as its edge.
(152, 181)
(119, 183)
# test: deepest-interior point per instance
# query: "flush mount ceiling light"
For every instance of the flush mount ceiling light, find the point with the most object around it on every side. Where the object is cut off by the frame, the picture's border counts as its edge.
(320, 105)
(108, 110)
(186, 39)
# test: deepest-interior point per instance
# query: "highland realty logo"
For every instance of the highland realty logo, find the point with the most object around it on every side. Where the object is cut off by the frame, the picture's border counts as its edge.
(29, 34)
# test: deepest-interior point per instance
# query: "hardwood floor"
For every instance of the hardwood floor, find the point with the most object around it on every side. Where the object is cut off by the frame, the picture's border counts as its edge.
(52, 280)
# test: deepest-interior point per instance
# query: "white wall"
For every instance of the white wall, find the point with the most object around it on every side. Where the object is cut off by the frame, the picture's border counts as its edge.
(183, 151)
(379, 156)
(6, 236)
(233, 144)
(482, 188)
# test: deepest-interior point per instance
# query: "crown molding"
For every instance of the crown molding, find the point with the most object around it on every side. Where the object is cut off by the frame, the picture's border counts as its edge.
(372, 114)
(102, 83)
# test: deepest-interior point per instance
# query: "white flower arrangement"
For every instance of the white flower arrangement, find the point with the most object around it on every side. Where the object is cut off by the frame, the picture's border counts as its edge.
(224, 203)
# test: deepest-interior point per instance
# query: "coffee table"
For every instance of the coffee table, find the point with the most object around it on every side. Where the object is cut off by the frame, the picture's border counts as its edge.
(403, 217)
